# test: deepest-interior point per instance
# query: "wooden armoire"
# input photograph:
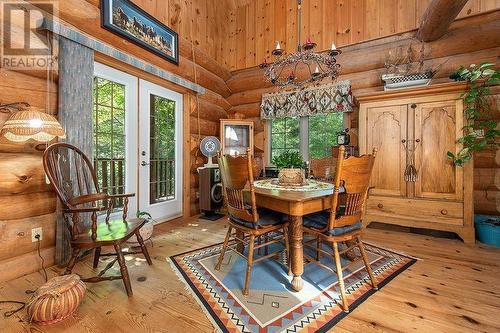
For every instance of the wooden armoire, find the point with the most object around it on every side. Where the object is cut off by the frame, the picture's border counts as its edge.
(417, 127)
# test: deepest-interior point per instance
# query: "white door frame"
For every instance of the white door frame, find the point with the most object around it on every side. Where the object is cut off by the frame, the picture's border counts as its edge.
(131, 129)
(171, 209)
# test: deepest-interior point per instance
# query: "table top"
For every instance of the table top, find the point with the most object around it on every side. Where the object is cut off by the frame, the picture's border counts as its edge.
(292, 196)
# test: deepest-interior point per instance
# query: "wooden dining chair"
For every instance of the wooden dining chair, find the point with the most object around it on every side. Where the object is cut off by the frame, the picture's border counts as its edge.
(342, 223)
(322, 168)
(245, 218)
(75, 181)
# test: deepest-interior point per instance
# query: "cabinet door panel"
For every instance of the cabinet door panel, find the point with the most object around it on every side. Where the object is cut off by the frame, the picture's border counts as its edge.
(437, 126)
(386, 128)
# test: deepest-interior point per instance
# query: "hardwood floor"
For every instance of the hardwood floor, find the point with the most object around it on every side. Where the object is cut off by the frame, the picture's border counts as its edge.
(453, 288)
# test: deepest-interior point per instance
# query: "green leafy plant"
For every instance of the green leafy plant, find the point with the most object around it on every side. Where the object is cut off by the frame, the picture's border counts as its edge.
(288, 159)
(480, 130)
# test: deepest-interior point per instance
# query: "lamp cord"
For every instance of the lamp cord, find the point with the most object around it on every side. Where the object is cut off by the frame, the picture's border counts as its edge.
(22, 305)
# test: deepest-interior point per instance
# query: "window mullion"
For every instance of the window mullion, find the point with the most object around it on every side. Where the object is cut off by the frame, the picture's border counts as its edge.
(304, 137)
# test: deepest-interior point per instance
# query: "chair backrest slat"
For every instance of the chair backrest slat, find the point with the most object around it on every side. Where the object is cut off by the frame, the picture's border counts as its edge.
(353, 176)
(70, 172)
(237, 177)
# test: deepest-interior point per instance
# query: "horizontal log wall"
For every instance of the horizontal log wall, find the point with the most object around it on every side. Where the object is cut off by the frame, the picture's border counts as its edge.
(260, 23)
(26, 201)
(471, 40)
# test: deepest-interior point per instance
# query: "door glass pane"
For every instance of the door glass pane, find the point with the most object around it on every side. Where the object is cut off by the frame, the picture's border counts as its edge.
(109, 136)
(162, 149)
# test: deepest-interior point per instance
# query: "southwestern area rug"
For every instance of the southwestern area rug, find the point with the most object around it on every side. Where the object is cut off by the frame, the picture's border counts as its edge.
(271, 306)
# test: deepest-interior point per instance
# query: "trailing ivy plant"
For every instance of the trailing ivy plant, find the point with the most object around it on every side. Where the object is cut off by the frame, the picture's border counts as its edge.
(480, 130)
(288, 159)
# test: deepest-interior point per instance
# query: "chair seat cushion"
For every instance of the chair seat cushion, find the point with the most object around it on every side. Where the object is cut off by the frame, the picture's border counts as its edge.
(116, 230)
(267, 217)
(320, 221)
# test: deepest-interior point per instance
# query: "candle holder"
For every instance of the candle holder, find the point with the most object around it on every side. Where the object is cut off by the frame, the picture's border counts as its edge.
(277, 52)
(334, 53)
(309, 45)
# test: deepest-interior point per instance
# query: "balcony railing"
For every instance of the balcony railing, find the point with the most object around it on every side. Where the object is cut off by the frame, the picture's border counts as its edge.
(111, 178)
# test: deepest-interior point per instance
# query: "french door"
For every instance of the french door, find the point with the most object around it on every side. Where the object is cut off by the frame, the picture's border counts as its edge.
(137, 142)
(160, 146)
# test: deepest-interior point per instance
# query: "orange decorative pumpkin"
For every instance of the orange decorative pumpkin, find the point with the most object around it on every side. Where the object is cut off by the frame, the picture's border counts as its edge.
(56, 300)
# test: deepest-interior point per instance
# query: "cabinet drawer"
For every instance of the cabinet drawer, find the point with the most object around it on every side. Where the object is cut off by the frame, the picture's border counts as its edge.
(424, 210)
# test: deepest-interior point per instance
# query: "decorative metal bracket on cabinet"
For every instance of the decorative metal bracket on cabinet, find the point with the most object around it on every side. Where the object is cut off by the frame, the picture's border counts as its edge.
(411, 173)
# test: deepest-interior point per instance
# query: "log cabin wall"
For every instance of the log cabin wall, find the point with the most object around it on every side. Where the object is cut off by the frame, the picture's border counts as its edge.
(261, 23)
(26, 201)
(473, 39)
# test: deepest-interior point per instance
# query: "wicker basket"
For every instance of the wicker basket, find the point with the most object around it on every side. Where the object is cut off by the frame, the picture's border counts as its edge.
(292, 177)
(56, 300)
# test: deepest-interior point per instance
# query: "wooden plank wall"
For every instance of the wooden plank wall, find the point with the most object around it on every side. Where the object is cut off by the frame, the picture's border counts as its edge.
(260, 23)
(470, 40)
(25, 200)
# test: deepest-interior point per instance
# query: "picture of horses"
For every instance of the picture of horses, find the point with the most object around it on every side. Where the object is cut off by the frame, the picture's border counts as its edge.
(126, 19)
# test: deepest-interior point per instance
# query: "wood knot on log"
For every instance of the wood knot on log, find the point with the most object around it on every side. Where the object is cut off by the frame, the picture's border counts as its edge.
(24, 179)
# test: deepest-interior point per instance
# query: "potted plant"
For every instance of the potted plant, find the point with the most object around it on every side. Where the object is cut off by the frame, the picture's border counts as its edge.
(289, 163)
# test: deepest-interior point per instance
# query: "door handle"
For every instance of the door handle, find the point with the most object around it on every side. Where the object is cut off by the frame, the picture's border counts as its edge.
(143, 163)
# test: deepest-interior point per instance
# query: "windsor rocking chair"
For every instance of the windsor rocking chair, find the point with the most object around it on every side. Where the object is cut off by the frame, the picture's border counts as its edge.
(75, 181)
(342, 223)
(245, 218)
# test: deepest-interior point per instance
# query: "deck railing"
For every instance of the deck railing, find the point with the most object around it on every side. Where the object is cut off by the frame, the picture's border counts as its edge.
(111, 177)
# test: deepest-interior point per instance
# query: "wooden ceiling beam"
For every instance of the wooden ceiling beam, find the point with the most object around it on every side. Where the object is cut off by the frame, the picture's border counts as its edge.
(437, 19)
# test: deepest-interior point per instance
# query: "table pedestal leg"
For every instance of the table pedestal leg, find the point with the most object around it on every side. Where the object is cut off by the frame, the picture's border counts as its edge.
(296, 252)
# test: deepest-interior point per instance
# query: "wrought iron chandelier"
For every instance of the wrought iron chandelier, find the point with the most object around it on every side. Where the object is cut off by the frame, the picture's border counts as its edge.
(316, 65)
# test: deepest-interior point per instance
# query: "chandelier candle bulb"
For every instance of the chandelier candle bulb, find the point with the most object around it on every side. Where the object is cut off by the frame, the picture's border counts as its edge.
(333, 47)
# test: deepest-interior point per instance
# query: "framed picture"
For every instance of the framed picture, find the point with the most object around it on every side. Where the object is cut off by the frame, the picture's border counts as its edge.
(126, 19)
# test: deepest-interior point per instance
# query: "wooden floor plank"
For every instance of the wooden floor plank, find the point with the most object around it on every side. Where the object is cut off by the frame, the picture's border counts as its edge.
(452, 288)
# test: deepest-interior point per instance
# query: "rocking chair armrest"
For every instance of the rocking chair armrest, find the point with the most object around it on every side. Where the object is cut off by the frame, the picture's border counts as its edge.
(83, 199)
(117, 196)
(86, 209)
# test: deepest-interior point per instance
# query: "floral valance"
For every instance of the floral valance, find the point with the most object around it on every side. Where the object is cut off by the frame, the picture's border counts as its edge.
(335, 97)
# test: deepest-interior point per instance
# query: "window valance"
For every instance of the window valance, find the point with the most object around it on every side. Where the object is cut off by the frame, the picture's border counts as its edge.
(335, 97)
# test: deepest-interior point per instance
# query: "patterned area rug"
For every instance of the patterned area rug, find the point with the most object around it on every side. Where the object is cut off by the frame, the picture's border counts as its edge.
(271, 306)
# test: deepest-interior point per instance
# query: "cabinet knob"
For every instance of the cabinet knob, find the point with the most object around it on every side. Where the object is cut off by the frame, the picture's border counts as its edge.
(413, 106)
(417, 141)
(444, 212)
(403, 141)
(380, 206)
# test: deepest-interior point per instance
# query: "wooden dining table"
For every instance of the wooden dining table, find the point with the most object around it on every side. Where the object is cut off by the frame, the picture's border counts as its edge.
(295, 204)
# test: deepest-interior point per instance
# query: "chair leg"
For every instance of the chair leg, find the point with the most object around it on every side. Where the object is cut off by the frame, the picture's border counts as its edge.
(266, 248)
(144, 249)
(249, 264)
(123, 269)
(287, 248)
(318, 247)
(97, 254)
(345, 304)
(224, 247)
(361, 247)
(72, 261)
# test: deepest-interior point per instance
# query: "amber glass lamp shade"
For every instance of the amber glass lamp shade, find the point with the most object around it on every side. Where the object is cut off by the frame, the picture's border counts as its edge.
(32, 124)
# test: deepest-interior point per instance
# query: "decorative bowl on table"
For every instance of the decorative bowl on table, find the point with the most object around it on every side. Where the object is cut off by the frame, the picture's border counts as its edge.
(291, 177)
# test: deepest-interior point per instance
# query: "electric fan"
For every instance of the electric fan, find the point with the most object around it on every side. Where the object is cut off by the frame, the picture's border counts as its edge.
(209, 147)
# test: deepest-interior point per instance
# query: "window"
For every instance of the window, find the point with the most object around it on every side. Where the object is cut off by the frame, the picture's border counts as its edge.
(323, 129)
(284, 135)
(109, 136)
(313, 136)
